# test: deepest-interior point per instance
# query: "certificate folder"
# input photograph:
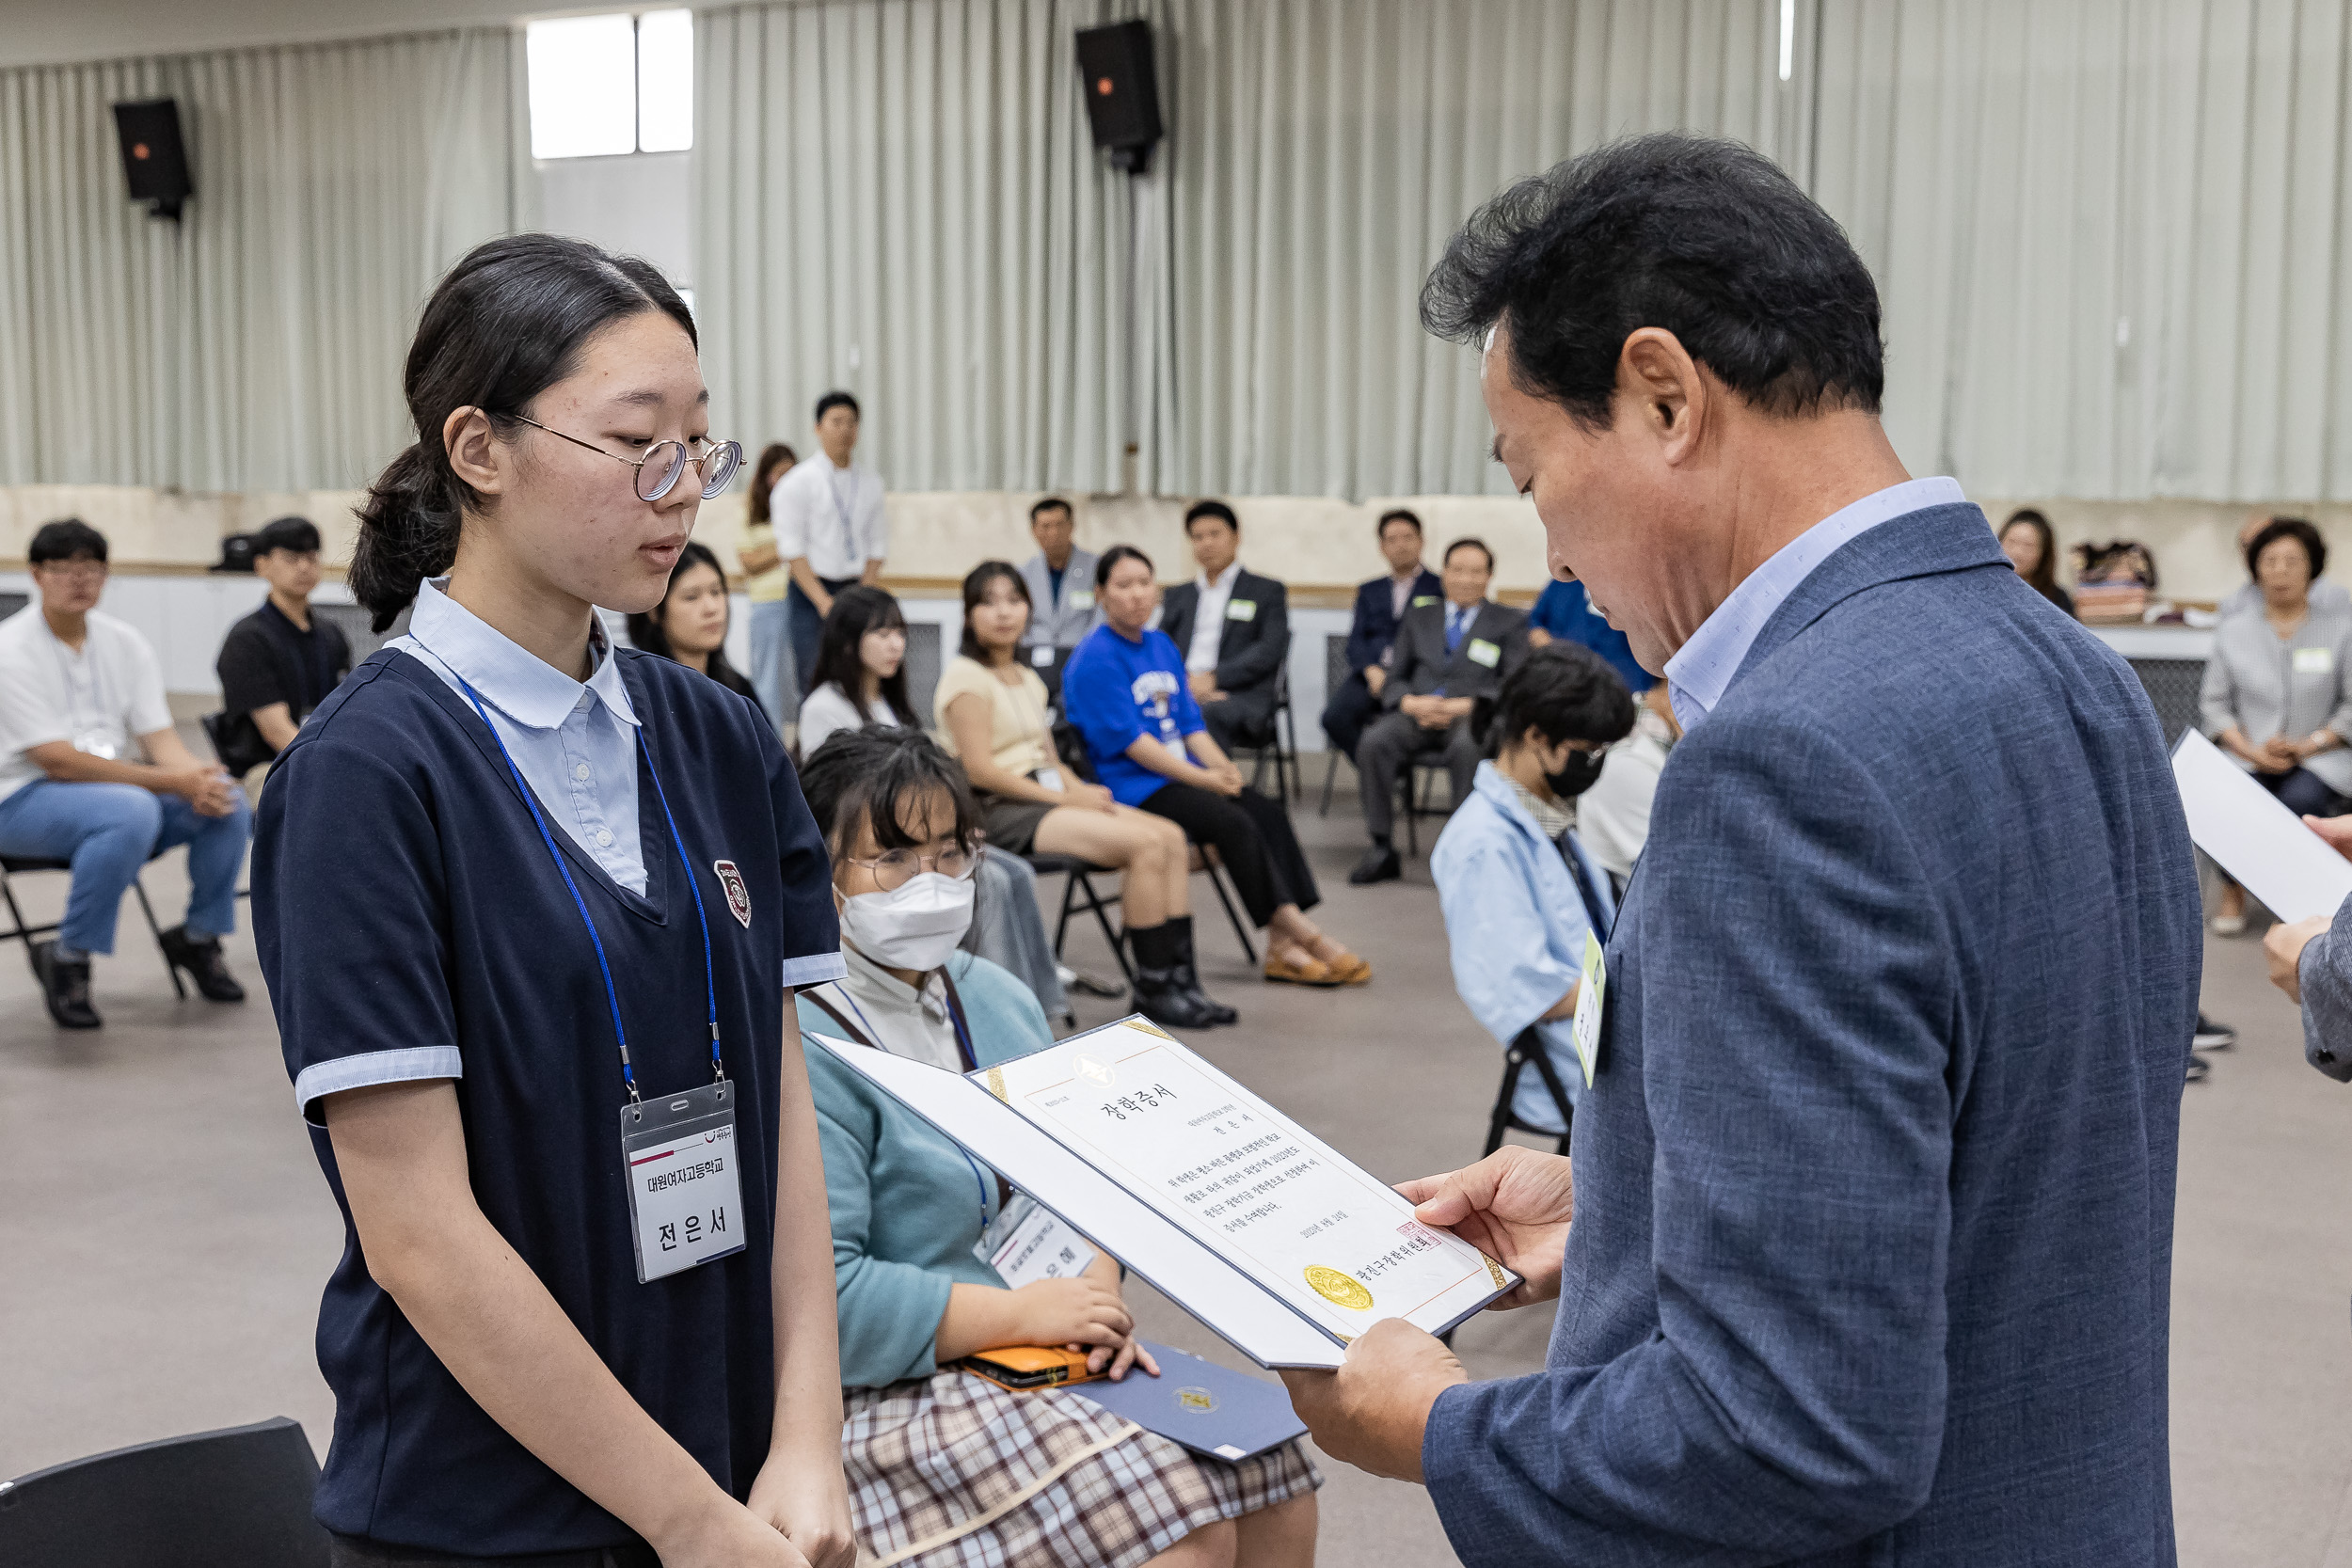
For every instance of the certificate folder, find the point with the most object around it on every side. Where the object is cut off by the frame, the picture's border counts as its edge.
(1206, 1407)
(1274, 1240)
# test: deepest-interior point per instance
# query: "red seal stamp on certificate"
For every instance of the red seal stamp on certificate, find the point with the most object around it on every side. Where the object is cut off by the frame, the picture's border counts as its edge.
(738, 897)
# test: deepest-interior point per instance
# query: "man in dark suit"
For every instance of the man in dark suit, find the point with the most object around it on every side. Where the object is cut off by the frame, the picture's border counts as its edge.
(1380, 606)
(1873, 1180)
(1447, 657)
(1233, 629)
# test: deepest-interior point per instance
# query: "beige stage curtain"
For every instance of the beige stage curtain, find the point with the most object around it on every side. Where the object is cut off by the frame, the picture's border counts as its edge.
(1321, 153)
(901, 197)
(257, 344)
(2114, 238)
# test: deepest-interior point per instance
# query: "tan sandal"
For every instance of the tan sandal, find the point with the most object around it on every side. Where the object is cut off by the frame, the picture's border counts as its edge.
(1314, 971)
(1351, 970)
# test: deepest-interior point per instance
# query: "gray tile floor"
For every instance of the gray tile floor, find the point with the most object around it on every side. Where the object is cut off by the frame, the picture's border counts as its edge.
(165, 1231)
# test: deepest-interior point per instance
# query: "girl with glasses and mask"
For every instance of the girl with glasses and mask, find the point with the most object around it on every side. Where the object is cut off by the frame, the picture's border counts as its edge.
(532, 908)
(1518, 891)
(932, 1450)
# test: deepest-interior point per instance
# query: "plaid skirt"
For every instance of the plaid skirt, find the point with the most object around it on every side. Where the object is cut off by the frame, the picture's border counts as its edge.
(955, 1472)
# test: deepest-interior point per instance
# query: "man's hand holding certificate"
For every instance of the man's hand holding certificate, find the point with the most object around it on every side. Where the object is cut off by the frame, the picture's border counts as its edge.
(1514, 1205)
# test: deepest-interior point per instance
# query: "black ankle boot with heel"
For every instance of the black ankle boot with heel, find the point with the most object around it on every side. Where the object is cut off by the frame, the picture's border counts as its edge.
(1188, 978)
(1160, 993)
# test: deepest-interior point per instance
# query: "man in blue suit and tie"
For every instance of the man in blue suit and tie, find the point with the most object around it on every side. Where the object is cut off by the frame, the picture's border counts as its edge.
(1873, 1174)
(1380, 607)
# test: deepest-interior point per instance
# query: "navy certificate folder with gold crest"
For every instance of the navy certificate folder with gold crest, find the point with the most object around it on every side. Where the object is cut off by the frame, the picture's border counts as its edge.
(1208, 1408)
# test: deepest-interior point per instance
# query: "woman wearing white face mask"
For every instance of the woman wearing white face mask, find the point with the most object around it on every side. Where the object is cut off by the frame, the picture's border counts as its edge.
(931, 1452)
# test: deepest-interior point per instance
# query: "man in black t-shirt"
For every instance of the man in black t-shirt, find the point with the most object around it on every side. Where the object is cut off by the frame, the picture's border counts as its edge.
(278, 662)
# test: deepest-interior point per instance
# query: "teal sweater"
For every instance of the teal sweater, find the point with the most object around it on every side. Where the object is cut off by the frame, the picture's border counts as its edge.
(907, 1205)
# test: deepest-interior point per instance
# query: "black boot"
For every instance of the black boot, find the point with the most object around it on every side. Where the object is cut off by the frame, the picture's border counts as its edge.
(1180, 929)
(1159, 995)
(64, 986)
(201, 959)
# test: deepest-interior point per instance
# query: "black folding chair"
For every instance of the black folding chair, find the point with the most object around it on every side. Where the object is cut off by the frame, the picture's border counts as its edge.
(1080, 886)
(1276, 747)
(1527, 1050)
(1334, 676)
(1413, 792)
(12, 865)
(241, 1496)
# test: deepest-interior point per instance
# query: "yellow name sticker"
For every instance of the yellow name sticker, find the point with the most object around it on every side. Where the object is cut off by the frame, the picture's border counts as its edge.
(1590, 995)
(2315, 661)
(1241, 610)
(1486, 652)
(1421, 599)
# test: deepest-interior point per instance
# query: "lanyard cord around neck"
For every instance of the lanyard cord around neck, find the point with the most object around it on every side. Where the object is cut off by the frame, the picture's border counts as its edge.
(611, 997)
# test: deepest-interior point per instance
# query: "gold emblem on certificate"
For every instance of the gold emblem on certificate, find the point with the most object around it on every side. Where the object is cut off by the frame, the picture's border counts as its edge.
(1338, 1288)
(1196, 1401)
(1092, 1069)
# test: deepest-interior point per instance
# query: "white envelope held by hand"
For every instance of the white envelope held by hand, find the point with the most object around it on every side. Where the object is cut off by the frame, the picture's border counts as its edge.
(2294, 872)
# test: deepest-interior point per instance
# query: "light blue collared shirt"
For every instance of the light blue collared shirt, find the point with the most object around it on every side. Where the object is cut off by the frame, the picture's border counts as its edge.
(576, 742)
(1697, 675)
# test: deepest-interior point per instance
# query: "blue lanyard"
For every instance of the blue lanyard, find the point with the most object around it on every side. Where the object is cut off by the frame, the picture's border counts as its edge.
(611, 998)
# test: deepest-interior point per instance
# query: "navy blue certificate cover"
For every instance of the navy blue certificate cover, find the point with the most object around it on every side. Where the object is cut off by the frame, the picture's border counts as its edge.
(1221, 1414)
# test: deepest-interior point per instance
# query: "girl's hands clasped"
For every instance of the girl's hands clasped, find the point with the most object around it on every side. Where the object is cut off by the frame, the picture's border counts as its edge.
(1085, 1313)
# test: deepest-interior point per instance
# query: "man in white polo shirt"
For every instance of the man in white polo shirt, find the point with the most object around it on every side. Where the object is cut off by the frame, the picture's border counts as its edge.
(828, 517)
(92, 772)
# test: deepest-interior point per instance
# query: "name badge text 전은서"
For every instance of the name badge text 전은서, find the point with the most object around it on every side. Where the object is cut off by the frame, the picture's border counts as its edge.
(685, 1181)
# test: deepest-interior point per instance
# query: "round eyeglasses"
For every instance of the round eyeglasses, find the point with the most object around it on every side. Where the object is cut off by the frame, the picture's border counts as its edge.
(658, 470)
(894, 868)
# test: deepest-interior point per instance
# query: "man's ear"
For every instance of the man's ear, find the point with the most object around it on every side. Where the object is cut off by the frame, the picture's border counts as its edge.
(1657, 377)
(475, 453)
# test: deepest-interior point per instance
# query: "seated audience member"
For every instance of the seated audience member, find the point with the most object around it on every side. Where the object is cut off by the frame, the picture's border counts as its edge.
(2276, 694)
(991, 708)
(689, 625)
(1564, 612)
(936, 1455)
(767, 583)
(1612, 818)
(1126, 693)
(1518, 889)
(2031, 547)
(1060, 579)
(91, 771)
(860, 675)
(2325, 595)
(277, 663)
(865, 648)
(1233, 629)
(1380, 604)
(1448, 655)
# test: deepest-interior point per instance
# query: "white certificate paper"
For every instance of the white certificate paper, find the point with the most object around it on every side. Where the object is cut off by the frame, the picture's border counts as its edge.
(1255, 1227)
(2294, 872)
(1335, 1245)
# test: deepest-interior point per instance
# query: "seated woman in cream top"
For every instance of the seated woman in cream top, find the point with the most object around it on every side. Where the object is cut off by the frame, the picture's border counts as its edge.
(990, 709)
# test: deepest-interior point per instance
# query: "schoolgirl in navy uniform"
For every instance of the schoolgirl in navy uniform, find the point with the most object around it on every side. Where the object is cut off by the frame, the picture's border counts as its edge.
(456, 940)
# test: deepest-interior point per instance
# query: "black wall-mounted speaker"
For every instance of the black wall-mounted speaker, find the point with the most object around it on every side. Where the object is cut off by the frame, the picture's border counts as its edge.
(154, 159)
(1123, 93)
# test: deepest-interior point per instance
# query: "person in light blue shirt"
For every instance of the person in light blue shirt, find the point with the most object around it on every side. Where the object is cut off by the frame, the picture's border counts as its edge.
(1518, 892)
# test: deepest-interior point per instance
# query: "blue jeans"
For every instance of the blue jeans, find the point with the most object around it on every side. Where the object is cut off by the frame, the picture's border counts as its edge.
(772, 673)
(108, 831)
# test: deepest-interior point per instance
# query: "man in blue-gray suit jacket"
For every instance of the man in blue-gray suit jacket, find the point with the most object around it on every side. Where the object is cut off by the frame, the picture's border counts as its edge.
(1872, 1182)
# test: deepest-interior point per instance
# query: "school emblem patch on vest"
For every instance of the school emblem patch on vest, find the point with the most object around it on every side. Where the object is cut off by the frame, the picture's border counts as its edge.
(738, 897)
